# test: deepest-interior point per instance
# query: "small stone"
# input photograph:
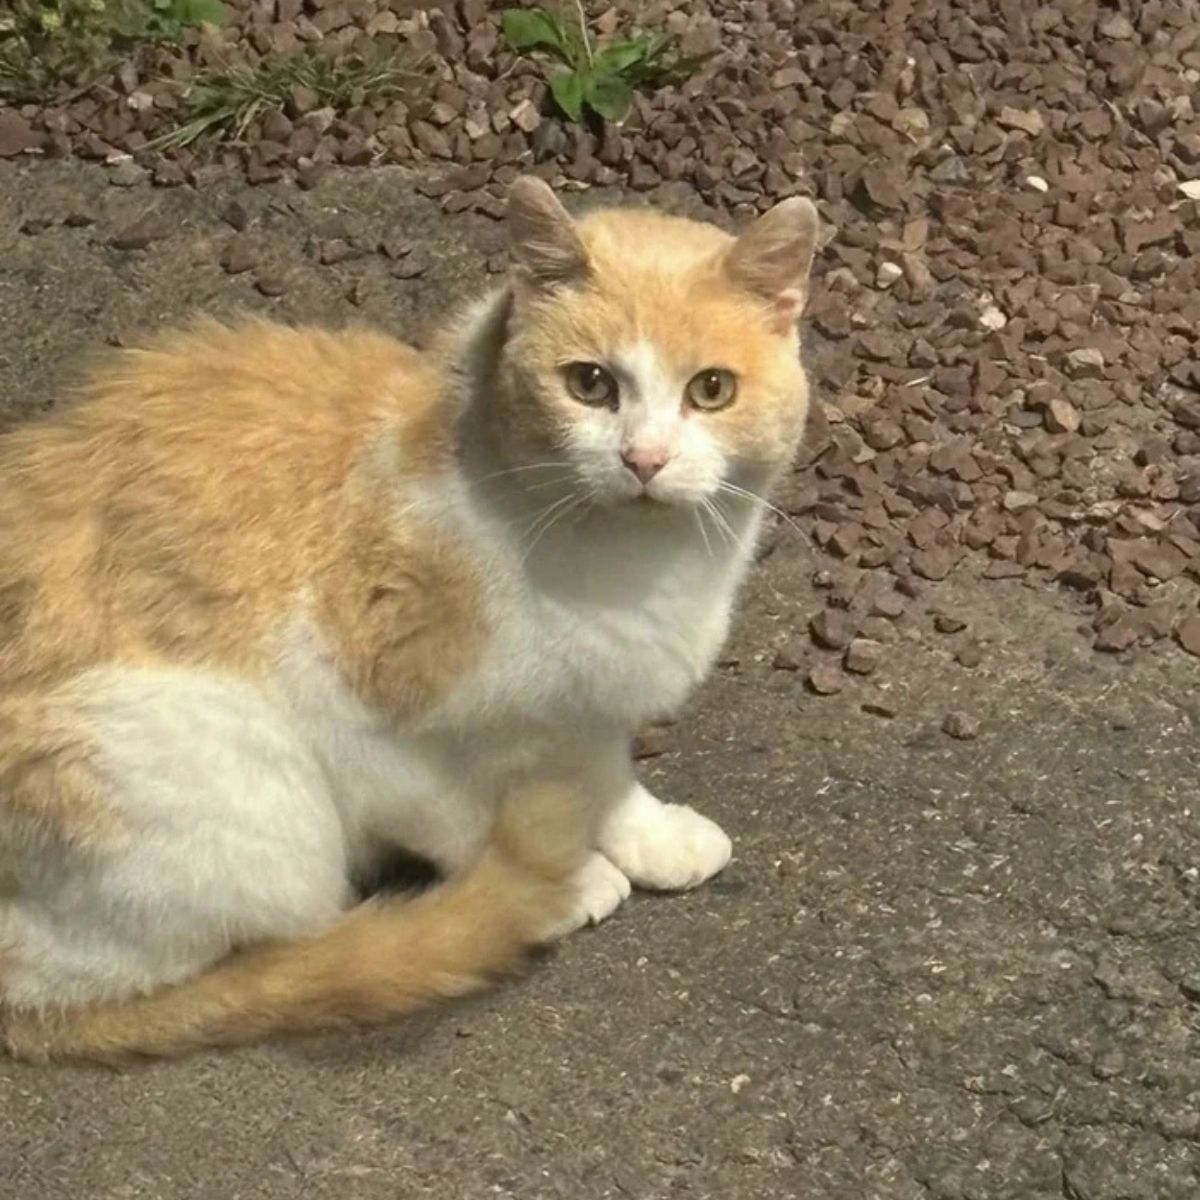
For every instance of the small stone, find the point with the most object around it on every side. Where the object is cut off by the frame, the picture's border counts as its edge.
(1085, 363)
(889, 605)
(888, 274)
(1017, 501)
(301, 100)
(395, 244)
(1061, 416)
(332, 251)
(992, 318)
(788, 656)
(934, 563)
(139, 234)
(525, 116)
(969, 656)
(1188, 634)
(1037, 183)
(1191, 188)
(1118, 635)
(169, 174)
(650, 743)
(271, 283)
(431, 141)
(234, 215)
(825, 679)
(16, 134)
(961, 725)
(1160, 560)
(238, 256)
(127, 174)
(863, 656)
(951, 169)
(412, 266)
(1118, 27)
(1027, 120)
(881, 705)
(309, 175)
(831, 628)
(948, 623)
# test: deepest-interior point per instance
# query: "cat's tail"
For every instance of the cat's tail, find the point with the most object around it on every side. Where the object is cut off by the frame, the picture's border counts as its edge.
(385, 958)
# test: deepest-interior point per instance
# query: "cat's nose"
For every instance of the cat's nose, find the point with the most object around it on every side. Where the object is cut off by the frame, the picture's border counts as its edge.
(645, 464)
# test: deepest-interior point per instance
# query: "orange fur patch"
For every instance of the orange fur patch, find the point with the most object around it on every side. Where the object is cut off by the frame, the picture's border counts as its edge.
(49, 782)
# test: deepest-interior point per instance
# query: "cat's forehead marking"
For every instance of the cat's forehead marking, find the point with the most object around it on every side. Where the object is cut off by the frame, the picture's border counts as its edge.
(646, 370)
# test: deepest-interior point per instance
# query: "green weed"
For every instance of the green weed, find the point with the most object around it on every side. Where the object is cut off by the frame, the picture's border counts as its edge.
(599, 76)
(230, 101)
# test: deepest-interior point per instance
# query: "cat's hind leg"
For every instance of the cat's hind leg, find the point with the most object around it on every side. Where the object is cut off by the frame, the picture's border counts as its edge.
(213, 828)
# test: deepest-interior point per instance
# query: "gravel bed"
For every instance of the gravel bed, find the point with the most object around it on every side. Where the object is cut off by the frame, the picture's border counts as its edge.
(1004, 328)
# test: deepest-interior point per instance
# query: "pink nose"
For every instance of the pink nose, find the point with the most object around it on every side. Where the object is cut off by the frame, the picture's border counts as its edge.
(645, 464)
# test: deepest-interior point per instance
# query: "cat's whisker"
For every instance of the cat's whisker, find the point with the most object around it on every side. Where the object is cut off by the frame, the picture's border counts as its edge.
(734, 490)
(707, 506)
(699, 512)
(541, 466)
(568, 477)
(572, 502)
(724, 524)
(543, 514)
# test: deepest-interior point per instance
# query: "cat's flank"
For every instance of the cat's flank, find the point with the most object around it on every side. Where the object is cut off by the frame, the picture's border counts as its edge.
(275, 602)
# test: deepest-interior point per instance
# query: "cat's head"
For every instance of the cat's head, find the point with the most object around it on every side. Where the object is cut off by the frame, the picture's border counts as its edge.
(652, 356)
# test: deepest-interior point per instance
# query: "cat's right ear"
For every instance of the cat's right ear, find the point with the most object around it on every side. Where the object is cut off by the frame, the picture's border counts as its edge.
(546, 245)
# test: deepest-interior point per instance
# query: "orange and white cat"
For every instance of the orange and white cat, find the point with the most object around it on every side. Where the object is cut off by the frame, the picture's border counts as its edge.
(274, 601)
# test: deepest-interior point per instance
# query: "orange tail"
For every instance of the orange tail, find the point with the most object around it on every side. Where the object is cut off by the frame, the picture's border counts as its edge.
(381, 960)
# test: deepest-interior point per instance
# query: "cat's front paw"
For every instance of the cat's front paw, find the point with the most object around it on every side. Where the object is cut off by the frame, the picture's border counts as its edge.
(600, 888)
(663, 847)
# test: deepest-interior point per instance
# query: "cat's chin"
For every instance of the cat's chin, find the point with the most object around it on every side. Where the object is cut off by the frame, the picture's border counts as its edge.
(650, 505)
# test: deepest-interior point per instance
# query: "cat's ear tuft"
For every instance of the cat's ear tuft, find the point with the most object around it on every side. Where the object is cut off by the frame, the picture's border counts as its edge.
(772, 259)
(545, 242)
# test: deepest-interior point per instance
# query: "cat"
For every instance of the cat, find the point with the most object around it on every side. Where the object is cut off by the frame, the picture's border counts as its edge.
(275, 601)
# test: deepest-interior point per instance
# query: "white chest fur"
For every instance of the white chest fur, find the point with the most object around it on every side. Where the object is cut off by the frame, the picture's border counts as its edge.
(612, 621)
(607, 625)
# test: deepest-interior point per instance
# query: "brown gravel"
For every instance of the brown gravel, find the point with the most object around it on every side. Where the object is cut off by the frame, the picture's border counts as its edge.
(961, 725)
(1004, 328)
(826, 679)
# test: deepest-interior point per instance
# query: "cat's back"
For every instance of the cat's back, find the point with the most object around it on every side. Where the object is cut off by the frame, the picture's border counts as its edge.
(190, 480)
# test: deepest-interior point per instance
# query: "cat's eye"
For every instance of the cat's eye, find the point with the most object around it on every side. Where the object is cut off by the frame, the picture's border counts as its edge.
(712, 389)
(591, 384)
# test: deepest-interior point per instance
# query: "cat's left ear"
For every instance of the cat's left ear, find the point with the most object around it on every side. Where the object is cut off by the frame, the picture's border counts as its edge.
(546, 245)
(772, 259)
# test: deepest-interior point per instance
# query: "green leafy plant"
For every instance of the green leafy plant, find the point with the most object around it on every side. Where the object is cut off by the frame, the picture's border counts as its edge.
(597, 76)
(229, 101)
(168, 19)
(49, 47)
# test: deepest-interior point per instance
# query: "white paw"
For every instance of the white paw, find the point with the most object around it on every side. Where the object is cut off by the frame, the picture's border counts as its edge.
(600, 889)
(663, 847)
